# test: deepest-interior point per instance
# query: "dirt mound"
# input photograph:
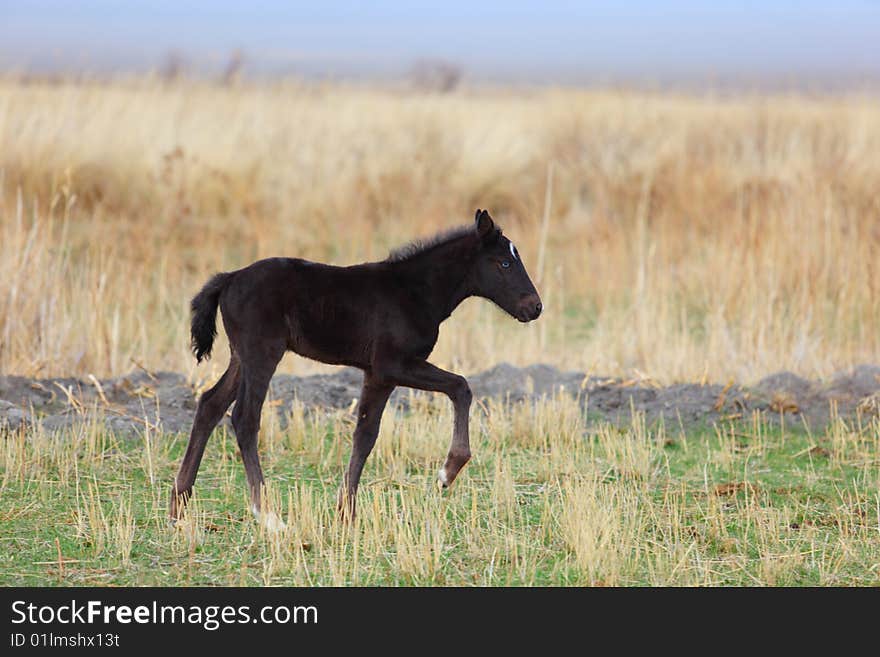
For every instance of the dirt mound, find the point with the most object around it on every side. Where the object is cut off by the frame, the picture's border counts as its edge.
(165, 401)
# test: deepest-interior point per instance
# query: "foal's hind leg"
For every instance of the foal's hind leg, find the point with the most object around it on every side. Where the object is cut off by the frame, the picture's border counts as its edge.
(256, 375)
(212, 405)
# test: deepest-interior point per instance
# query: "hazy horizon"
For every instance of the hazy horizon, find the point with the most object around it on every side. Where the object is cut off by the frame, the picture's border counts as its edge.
(806, 43)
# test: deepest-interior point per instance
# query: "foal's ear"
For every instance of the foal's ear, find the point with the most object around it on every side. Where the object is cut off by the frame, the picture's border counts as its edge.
(485, 225)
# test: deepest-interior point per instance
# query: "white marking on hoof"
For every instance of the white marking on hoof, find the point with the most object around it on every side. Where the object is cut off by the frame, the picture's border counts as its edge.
(269, 520)
(442, 479)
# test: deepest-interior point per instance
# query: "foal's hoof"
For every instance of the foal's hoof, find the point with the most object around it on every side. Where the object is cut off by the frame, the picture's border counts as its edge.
(270, 521)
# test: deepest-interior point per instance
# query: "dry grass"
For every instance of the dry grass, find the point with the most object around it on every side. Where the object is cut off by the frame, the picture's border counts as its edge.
(546, 501)
(677, 237)
(685, 237)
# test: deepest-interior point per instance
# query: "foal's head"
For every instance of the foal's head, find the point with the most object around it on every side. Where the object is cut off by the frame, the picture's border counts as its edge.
(499, 275)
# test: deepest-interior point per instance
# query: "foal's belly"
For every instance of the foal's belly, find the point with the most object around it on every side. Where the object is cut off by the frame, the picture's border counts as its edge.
(329, 332)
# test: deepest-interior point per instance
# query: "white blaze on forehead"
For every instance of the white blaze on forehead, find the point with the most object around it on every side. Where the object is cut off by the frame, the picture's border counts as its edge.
(513, 251)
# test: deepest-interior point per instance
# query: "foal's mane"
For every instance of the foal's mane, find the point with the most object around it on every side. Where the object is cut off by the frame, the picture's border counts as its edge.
(420, 246)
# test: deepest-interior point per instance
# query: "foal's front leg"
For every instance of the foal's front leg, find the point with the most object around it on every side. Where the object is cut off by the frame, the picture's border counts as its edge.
(422, 375)
(374, 396)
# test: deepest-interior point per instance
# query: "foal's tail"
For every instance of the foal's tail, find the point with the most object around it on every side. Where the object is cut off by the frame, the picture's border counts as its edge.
(204, 315)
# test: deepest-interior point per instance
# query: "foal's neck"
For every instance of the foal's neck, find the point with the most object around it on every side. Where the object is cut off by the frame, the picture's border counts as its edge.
(441, 277)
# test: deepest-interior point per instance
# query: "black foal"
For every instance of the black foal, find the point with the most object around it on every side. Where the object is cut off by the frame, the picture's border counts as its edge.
(382, 317)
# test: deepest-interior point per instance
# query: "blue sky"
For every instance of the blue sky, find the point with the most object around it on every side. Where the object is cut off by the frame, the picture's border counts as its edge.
(550, 41)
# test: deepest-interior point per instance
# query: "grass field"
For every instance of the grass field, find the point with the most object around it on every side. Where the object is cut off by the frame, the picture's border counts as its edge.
(672, 238)
(546, 501)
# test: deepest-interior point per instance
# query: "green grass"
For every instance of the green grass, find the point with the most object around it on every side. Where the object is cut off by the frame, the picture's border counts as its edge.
(546, 501)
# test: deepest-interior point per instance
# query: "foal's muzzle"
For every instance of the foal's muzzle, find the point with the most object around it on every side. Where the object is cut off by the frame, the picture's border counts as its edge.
(529, 308)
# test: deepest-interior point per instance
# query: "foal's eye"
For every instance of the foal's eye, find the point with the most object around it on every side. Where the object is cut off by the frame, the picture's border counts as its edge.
(505, 264)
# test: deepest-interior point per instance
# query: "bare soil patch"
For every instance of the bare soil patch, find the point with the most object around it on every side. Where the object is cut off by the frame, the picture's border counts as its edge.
(165, 401)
